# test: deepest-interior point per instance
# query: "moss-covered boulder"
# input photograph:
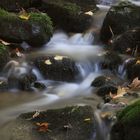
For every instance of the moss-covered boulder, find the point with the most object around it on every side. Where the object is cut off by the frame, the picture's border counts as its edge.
(36, 30)
(86, 5)
(128, 42)
(55, 68)
(16, 5)
(119, 19)
(4, 56)
(67, 16)
(127, 126)
(69, 123)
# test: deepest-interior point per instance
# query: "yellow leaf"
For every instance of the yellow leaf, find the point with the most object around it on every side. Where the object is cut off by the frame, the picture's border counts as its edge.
(48, 62)
(57, 57)
(138, 62)
(87, 119)
(24, 15)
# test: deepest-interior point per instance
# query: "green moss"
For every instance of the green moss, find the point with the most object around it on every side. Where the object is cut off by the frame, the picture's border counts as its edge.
(130, 115)
(42, 19)
(2, 48)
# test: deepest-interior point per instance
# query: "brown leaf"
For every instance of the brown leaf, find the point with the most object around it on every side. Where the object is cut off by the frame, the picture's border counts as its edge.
(43, 127)
(135, 83)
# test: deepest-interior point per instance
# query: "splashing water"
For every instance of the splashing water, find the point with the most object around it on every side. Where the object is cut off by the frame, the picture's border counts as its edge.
(78, 47)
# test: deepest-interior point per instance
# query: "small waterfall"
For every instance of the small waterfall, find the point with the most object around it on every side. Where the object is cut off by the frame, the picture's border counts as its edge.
(78, 47)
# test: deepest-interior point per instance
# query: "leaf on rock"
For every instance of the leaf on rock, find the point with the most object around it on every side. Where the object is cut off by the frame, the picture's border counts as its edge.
(48, 62)
(24, 15)
(135, 83)
(4, 42)
(120, 92)
(43, 127)
(37, 113)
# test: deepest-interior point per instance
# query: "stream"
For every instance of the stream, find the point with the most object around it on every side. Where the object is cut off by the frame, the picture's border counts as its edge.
(87, 54)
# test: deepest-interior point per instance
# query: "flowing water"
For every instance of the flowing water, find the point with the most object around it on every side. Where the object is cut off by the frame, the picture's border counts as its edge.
(58, 94)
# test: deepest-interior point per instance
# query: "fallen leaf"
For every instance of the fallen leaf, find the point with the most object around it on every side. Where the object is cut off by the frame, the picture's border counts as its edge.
(120, 92)
(57, 57)
(135, 83)
(37, 113)
(24, 15)
(4, 42)
(43, 127)
(89, 13)
(48, 62)
(87, 119)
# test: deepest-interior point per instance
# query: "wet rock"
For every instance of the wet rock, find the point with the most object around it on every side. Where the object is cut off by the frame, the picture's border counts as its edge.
(3, 84)
(106, 90)
(111, 61)
(39, 85)
(132, 67)
(67, 16)
(16, 5)
(69, 123)
(100, 81)
(63, 69)
(128, 123)
(128, 42)
(85, 5)
(22, 82)
(4, 56)
(36, 31)
(119, 19)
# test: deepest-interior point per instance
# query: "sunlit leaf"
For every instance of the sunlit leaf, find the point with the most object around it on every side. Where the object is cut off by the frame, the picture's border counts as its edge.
(89, 13)
(4, 42)
(57, 57)
(135, 83)
(24, 15)
(48, 62)
(37, 113)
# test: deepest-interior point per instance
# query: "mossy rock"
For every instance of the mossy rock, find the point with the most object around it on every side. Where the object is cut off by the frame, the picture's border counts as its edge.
(120, 18)
(15, 5)
(59, 70)
(67, 16)
(69, 123)
(86, 5)
(128, 123)
(36, 31)
(4, 56)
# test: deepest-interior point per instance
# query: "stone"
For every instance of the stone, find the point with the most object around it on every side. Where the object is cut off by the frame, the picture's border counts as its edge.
(120, 18)
(128, 42)
(69, 123)
(128, 123)
(58, 70)
(36, 30)
(67, 16)
(4, 56)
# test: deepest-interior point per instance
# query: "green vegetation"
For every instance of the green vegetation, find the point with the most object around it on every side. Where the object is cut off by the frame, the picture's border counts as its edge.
(130, 115)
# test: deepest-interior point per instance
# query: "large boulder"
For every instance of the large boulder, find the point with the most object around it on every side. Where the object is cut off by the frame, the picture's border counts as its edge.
(36, 30)
(69, 123)
(53, 68)
(4, 56)
(127, 126)
(119, 19)
(67, 16)
(128, 42)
